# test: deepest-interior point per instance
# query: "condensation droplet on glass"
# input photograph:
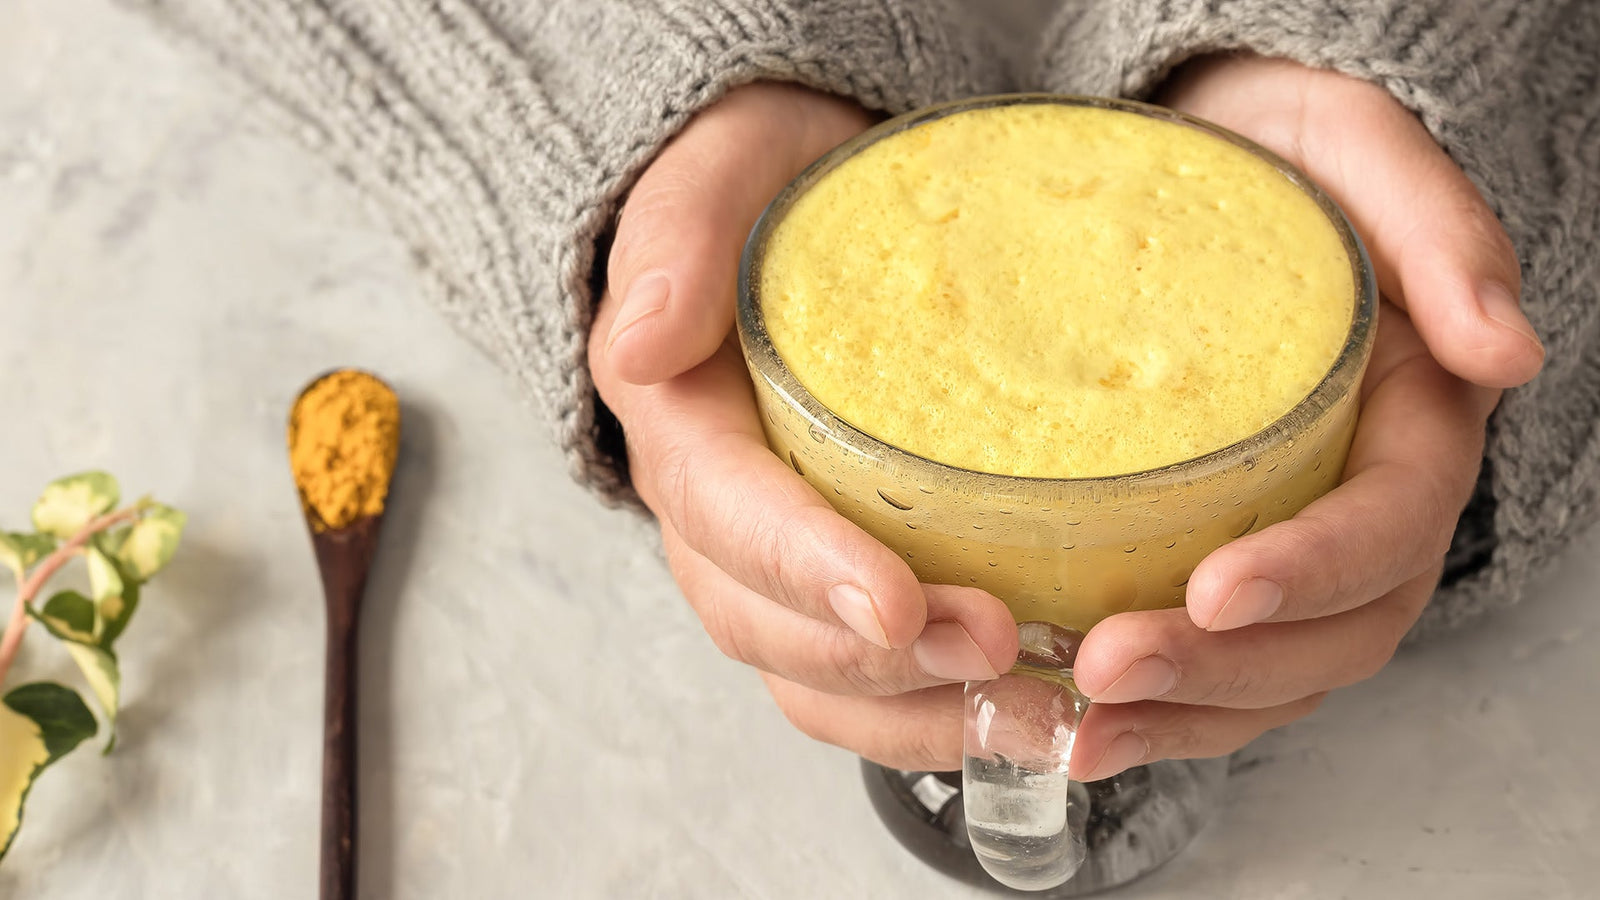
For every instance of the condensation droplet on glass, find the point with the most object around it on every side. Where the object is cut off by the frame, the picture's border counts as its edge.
(992, 564)
(1242, 527)
(911, 526)
(1181, 577)
(795, 461)
(895, 502)
(1131, 548)
(1249, 463)
(1172, 543)
(816, 434)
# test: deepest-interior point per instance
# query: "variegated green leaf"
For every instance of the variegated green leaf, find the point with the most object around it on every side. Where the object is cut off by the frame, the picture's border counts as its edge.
(19, 550)
(39, 724)
(98, 663)
(69, 614)
(151, 542)
(100, 669)
(68, 504)
(104, 578)
(115, 611)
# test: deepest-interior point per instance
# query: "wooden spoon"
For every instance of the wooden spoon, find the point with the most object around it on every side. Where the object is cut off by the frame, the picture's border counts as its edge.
(344, 557)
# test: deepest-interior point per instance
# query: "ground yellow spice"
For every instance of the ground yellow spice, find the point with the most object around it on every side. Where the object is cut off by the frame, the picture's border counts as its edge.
(344, 435)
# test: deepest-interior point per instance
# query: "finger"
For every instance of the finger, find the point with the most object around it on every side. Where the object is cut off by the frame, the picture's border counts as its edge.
(1411, 468)
(699, 460)
(1160, 655)
(970, 635)
(1116, 737)
(676, 254)
(919, 731)
(1437, 248)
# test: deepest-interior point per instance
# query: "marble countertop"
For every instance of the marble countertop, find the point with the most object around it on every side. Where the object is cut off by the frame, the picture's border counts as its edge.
(541, 713)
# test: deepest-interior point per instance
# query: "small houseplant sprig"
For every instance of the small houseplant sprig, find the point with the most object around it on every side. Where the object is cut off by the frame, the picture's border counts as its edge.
(76, 518)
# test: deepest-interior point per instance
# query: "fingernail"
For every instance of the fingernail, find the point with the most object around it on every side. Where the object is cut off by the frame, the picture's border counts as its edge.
(1147, 678)
(945, 650)
(1254, 600)
(1500, 306)
(855, 607)
(646, 297)
(1126, 750)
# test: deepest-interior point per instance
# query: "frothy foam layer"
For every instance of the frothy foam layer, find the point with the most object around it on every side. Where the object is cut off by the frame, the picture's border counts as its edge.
(1057, 291)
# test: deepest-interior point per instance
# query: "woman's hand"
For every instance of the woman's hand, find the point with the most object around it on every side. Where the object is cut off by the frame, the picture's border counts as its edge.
(1277, 618)
(853, 648)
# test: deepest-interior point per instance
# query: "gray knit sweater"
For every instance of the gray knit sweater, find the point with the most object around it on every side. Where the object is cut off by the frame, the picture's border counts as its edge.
(502, 136)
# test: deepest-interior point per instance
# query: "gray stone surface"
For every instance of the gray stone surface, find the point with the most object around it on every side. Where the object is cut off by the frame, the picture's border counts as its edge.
(542, 715)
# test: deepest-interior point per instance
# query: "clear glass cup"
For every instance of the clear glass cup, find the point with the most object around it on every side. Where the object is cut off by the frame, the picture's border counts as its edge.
(1062, 553)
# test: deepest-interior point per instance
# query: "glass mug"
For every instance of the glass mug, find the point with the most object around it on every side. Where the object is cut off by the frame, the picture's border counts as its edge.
(1062, 553)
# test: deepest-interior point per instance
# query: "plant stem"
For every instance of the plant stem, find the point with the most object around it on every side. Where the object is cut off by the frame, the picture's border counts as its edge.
(41, 573)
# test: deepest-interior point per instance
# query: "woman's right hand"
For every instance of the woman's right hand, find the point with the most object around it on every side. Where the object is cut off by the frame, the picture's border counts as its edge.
(855, 651)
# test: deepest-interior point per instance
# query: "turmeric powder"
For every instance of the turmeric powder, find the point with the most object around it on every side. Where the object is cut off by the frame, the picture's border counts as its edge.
(344, 435)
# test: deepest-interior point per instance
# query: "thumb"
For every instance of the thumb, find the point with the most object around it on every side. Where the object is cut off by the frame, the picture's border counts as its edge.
(675, 260)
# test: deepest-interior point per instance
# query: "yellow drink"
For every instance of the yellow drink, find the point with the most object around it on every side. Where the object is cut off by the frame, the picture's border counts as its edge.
(1060, 352)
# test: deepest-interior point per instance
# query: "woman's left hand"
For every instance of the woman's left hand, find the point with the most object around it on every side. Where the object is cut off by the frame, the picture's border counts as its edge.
(1276, 619)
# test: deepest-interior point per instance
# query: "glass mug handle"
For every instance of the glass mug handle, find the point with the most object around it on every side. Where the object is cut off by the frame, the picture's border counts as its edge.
(1025, 817)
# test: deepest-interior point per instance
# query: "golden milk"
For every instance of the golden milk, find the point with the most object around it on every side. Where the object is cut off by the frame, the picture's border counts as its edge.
(1057, 291)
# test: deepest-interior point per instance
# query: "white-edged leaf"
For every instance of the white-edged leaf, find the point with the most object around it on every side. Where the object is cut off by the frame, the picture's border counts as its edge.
(68, 504)
(39, 723)
(19, 550)
(100, 669)
(115, 613)
(69, 615)
(104, 579)
(98, 663)
(151, 542)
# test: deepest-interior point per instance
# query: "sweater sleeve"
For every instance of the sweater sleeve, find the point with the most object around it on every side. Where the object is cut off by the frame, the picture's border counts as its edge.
(1511, 90)
(501, 137)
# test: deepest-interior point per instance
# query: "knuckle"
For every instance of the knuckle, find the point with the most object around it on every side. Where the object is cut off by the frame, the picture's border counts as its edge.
(675, 482)
(1237, 682)
(923, 750)
(728, 636)
(1179, 738)
(863, 673)
(808, 718)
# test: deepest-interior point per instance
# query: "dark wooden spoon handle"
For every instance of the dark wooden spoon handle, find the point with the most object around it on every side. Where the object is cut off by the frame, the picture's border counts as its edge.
(344, 557)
